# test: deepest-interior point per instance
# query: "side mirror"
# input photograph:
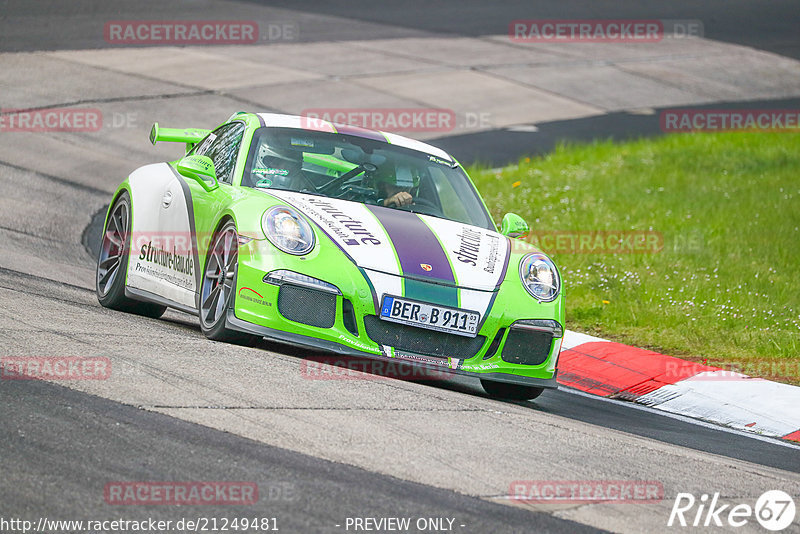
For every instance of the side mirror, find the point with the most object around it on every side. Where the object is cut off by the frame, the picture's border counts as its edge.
(514, 226)
(201, 169)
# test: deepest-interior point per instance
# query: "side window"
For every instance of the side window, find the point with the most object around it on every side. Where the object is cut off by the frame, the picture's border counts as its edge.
(222, 146)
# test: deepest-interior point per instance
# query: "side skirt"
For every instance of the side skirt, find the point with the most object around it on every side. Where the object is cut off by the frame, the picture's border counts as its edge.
(140, 294)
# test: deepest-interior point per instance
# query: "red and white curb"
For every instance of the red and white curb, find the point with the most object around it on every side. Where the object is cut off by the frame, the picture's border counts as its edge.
(610, 369)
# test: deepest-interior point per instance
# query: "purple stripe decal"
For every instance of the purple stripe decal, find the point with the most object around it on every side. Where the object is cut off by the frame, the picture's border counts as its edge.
(357, 131)
(505, 265)
(416, 245)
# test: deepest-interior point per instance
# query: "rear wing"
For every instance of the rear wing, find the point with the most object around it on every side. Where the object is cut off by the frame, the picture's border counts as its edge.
(190, 136)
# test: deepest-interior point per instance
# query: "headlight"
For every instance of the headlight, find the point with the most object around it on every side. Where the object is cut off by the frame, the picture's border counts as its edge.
(540, 277)
(287, 230)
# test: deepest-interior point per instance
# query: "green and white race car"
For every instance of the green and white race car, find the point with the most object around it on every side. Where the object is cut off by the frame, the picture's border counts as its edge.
(337, 238)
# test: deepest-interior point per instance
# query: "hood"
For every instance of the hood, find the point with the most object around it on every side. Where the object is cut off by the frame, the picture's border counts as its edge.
(409, 245)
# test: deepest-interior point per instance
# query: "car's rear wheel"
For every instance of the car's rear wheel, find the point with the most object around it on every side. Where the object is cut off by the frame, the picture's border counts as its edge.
(219, 285)
(504, 390)
(113, 261)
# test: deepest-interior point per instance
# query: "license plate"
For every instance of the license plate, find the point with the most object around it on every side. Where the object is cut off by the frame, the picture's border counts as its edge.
(430, 316)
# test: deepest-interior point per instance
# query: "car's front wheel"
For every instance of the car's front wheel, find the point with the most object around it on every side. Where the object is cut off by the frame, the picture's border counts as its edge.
(506, 391)
(113, 261)
(219, 286)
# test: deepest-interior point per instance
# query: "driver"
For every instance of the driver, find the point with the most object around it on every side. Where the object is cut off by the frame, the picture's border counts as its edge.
(395, 184)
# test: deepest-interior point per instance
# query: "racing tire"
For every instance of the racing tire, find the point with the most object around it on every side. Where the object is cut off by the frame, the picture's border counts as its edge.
(219, 286)
(112, 263)
(506, 391)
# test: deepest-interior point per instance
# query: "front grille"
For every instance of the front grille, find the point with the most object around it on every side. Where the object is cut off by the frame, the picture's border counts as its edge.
(527, 347)
(307, 306)
(421, 340)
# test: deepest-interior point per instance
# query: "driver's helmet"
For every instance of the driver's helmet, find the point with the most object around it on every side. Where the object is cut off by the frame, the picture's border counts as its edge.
(277, 166)
(401, 176)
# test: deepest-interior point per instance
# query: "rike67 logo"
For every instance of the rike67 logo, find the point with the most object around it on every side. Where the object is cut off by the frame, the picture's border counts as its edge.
(774, 510)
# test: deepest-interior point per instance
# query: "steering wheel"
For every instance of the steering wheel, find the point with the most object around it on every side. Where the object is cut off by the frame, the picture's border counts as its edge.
(352, 173)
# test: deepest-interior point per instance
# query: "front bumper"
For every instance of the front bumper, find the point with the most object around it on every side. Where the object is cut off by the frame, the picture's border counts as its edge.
(339, 322)
(299, 340)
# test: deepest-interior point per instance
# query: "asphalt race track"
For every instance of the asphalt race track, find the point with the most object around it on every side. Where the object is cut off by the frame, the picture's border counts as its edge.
(768, 25)
(178, 407)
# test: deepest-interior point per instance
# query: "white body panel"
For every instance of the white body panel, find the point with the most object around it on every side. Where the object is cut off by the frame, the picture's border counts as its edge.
(476, 254)
(162, 252)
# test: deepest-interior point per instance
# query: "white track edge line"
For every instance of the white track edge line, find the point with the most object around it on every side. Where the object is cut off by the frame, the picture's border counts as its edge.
(685, 418)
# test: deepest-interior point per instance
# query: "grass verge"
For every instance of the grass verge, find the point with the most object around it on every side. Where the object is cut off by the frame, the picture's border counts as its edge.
(716, 221)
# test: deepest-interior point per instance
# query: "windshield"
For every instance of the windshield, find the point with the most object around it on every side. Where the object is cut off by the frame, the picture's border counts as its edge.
(362, 170)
